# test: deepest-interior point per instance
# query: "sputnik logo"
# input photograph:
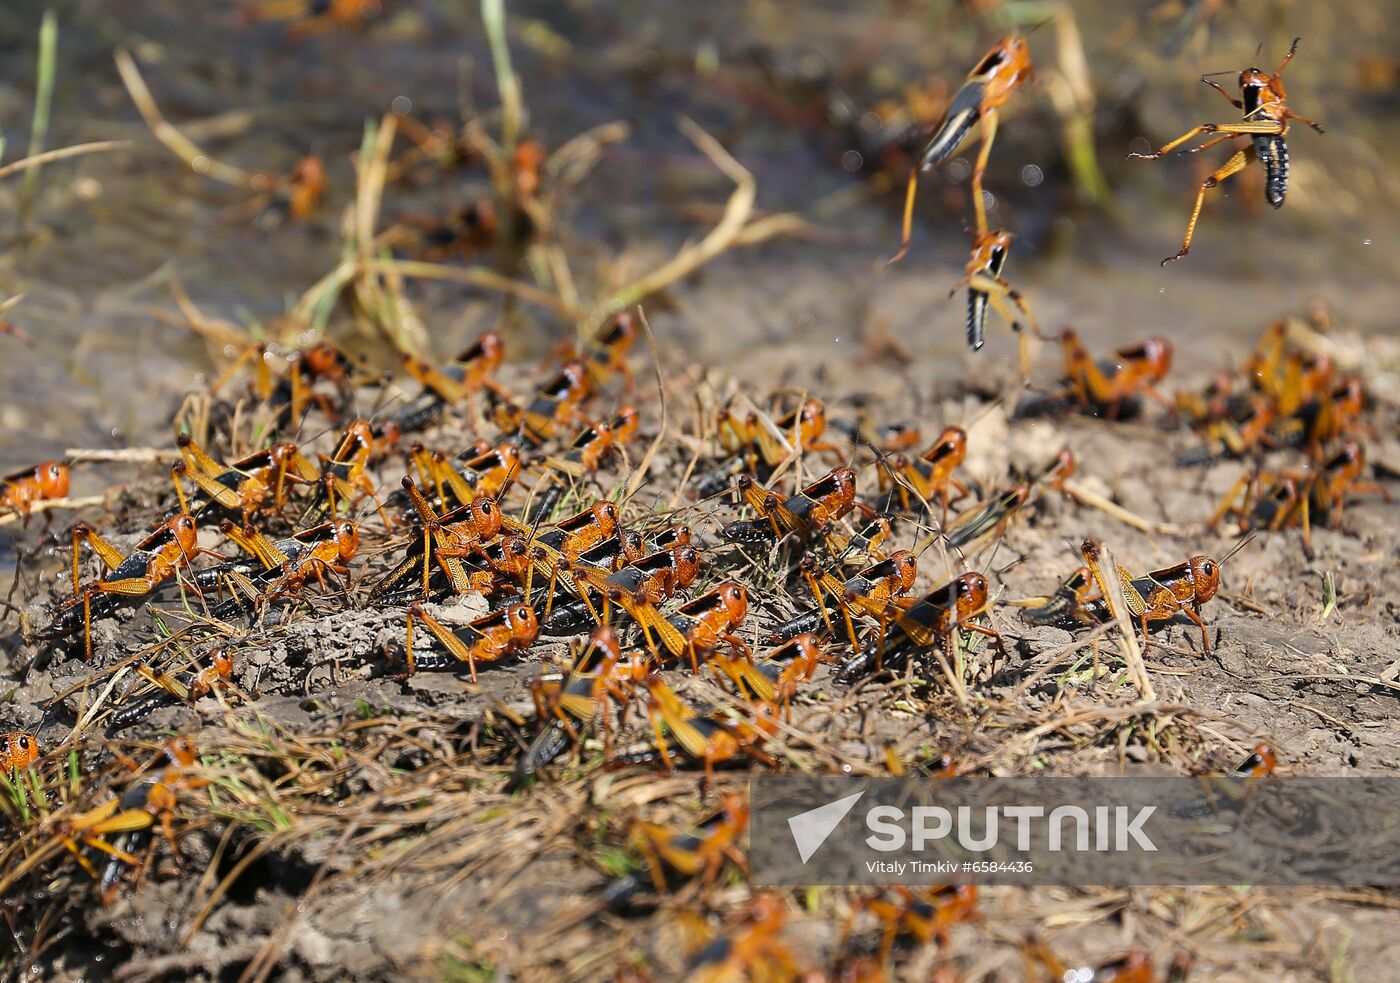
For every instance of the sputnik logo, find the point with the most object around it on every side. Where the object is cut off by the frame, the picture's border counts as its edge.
(810, 829)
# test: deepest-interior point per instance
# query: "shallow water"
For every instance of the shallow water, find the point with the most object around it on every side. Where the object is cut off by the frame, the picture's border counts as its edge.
(112, 231)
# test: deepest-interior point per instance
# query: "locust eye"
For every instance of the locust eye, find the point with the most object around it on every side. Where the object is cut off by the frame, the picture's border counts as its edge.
(1209, 568)
(23, 742)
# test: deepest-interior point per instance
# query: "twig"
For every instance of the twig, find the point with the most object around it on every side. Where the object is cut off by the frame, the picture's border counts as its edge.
(1113, 596)
(126, 455)
(692, 257)
(1094, 500)
(476, 275)
(639, 475)
(46, 504)
(179, 144)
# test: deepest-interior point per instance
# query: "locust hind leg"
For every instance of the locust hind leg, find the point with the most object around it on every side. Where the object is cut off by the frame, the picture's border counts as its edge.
(989, 135)
(1233, 166)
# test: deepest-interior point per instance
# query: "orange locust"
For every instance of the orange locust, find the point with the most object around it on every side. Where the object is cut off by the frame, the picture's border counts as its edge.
(130, 817)
(928, 477)
(1266, 114)
(710, 737)
(554, 404)
(471, 371)
(924, 915)
(304, 186)
(343, 474)
(154, 560)
(759, 445)
(1109, 387)
(1261, 762)
(144, 804)
(1292, 498)
(182, 687)
(599, 676)
(1001, 72)
(920, 625)
(775, 677)
(626, 547)
(484, 471)
(1162, 594)
(585, 454)
(17, 750)
(674, 858)
(502, 633)
(287, 564)
(445, 539)
(571, 537)
(310, 18)
(752, 951)
(986, 286)
(1067, 607)
(606, 353)
(23, 489)
(809, 512)
(244, 487)
(705, 623)
(463, 231)
(291, 395)
(868, 592)
(503, 568)
(295, 195)
(637, 588)
(1326, 416)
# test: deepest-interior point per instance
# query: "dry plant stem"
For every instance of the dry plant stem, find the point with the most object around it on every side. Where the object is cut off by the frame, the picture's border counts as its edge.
(384, 301)
(48, 156)
(476, 275)
(1132, 654)
(125, 455)
(88, 501)
(639, 475)
(179, 144)
(369, 191)
(1094, 500)
(692, 257)
(954, 681)
(87, 718)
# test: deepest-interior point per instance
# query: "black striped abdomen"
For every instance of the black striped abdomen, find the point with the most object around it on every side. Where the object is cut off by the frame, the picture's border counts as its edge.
(1272, 151)
(976, 318)
(963, 113)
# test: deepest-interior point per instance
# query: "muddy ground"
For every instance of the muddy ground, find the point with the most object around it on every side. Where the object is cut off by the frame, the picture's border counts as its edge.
(397, 849)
